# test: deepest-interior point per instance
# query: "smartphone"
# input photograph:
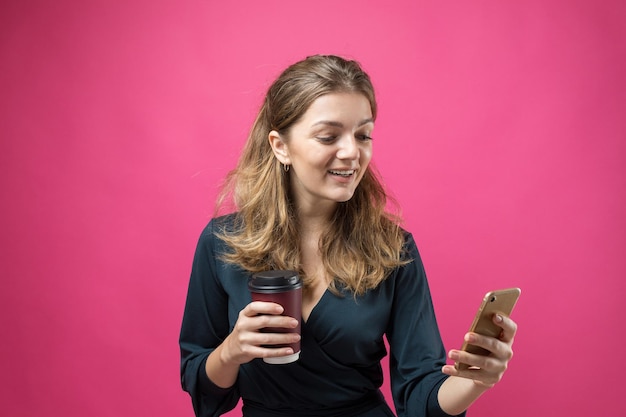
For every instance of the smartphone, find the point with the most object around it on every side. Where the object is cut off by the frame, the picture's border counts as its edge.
(499, 301)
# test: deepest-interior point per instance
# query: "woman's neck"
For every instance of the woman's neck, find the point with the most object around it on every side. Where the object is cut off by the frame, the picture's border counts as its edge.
(313, 223)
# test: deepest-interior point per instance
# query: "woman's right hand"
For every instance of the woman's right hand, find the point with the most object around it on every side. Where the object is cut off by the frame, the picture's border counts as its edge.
(247, 342)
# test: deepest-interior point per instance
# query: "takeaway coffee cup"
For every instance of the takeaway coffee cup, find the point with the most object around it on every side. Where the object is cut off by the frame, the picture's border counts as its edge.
(284, 288)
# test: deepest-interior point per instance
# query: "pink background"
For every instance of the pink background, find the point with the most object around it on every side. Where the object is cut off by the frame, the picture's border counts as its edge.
(501, 133)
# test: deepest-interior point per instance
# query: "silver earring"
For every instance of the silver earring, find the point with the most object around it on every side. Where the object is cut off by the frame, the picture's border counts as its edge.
(286, 167)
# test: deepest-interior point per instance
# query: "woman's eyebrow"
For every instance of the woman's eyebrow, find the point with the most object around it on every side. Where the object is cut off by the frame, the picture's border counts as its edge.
(339, 124)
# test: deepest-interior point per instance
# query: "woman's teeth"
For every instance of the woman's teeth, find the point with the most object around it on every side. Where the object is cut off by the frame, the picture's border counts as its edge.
(342, 173)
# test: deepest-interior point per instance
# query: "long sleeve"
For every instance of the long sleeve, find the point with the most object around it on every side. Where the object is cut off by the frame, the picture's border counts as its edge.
(205, 325)
(416, 350)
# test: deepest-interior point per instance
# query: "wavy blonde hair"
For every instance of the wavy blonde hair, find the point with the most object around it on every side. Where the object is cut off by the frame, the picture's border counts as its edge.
(363, 242)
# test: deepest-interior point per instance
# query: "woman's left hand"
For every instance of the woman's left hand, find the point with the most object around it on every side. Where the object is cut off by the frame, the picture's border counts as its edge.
(486, 371)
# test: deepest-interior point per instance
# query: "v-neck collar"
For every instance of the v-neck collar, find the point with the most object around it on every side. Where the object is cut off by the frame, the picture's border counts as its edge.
(313, 313)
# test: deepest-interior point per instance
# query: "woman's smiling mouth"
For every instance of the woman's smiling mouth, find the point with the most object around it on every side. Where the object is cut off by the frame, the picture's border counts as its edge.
(342, 173)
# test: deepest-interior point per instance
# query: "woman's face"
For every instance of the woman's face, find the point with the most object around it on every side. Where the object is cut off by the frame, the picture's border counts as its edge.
(328, 150)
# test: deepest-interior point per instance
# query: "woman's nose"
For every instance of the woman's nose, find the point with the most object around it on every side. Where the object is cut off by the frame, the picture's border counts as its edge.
(348, 148)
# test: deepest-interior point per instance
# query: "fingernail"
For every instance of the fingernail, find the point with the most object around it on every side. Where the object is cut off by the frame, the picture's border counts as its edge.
(499, 318)
(470, 337)
(454, 355)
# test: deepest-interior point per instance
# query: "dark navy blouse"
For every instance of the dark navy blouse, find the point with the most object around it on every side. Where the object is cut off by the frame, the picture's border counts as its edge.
(339, 371)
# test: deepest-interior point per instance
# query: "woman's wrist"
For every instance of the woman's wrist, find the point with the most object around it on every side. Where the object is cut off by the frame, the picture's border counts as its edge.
(456, 394)
(220, 369)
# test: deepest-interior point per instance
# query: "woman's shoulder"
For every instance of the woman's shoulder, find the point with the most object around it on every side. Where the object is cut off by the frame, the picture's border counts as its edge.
(216, 227)
(410, 252)
(224, 220)
(220, 224)
(409, 241)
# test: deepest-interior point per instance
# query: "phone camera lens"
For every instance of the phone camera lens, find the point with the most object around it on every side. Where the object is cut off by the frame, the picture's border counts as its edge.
(493, 298)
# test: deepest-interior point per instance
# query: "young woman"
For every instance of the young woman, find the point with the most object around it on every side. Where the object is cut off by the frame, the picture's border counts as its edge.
(307, 199)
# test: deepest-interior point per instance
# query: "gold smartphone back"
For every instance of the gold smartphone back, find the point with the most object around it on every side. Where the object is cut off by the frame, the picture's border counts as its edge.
(498, 301)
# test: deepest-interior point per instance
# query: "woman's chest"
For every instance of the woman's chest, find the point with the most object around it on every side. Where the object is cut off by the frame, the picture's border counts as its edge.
(347, 329)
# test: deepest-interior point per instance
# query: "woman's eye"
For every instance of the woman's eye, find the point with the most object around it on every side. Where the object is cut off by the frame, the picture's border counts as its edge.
(326, 139)
(362, 137)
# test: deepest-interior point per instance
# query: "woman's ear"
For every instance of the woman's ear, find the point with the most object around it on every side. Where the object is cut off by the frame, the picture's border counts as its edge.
(281, 151)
